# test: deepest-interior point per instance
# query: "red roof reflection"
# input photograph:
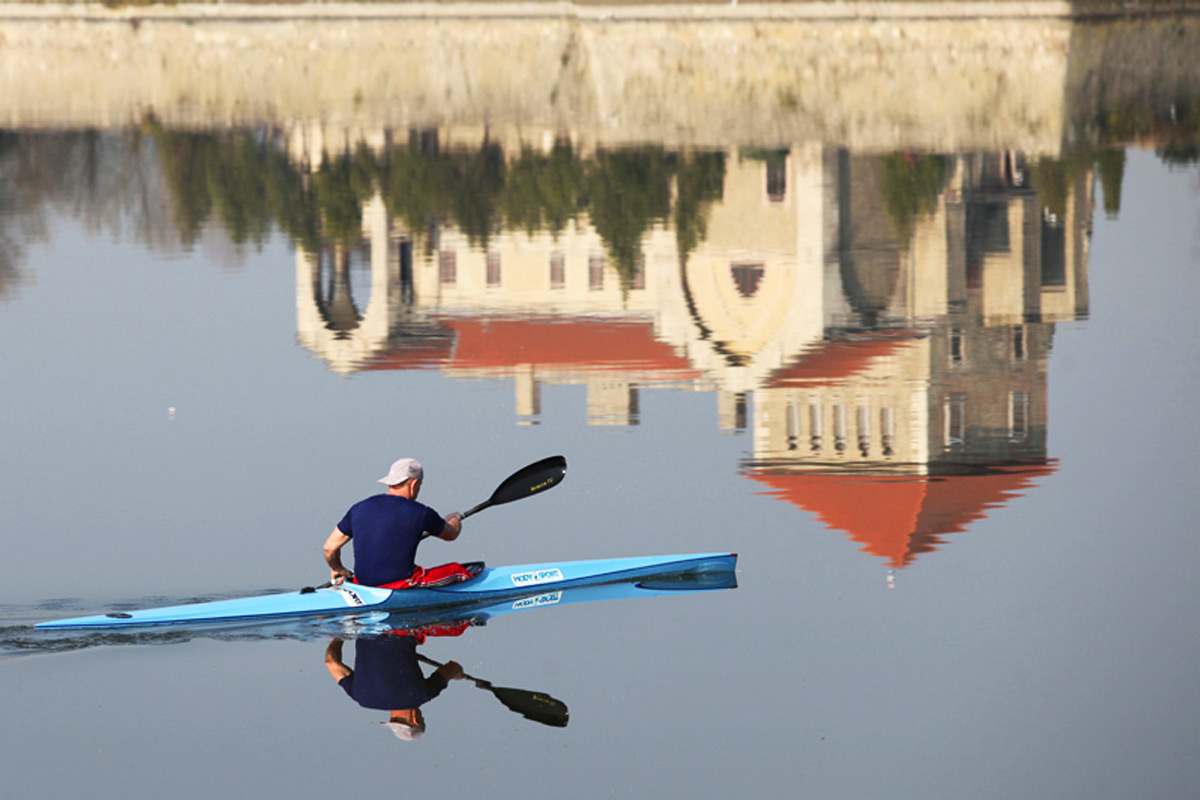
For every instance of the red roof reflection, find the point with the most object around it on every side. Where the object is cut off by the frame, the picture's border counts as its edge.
(500, 344)
(897, 518)
(835, 360)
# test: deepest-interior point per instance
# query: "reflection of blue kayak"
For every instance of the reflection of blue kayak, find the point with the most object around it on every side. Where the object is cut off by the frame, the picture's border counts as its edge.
(480, 611)
(493, 584)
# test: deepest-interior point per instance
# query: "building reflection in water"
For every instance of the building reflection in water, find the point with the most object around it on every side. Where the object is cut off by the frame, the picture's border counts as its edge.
(927, 405)
(888, 319)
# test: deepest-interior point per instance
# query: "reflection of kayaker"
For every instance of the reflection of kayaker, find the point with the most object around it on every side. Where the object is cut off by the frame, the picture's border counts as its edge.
(386, 530)
(387, 676)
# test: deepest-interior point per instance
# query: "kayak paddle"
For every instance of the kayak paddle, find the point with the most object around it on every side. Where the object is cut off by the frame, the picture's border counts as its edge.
(532, 705)
(525, 482)
(534, 479)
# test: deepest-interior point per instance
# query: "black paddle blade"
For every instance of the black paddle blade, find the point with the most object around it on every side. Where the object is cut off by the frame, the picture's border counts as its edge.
(531, 480)
(534, 705)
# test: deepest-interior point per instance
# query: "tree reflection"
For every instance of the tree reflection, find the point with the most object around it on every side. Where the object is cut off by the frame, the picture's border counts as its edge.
(543, 191)
(339, 189)
(700, 181)
(910, 186)
(244, 181)
(628, 192)
(463, 185)
(166, 186)
(107, 181)
(184, 160)
(10, 247)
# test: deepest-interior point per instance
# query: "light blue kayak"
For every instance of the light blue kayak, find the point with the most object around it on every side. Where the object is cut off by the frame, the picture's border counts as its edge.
(493, 584)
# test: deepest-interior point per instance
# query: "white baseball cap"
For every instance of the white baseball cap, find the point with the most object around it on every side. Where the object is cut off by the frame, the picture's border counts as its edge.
(403, 470)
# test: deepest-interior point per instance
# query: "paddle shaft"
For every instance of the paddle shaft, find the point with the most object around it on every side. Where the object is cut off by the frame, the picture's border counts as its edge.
(482, 684)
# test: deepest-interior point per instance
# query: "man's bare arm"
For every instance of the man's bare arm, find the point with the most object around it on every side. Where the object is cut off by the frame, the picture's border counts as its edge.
(333, 661)
(333, 555)
(453, 527)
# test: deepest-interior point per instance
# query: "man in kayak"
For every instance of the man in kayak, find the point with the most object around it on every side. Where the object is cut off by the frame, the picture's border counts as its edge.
(386, 530)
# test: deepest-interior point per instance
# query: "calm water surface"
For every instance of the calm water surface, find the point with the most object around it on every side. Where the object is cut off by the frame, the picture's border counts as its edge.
(936, 397)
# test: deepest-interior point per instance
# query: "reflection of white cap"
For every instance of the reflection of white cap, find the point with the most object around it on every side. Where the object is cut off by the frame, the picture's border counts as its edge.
(405, 731)
(403, 470)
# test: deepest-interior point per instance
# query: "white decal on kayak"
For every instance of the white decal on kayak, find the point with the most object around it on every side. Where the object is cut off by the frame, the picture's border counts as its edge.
(534, 602)
(537, 576)
(351, 597)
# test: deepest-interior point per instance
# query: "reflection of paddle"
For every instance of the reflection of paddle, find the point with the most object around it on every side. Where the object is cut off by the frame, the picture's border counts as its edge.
(532, 705)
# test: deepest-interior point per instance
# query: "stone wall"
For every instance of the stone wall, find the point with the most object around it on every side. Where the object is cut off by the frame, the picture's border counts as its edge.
(691, 77)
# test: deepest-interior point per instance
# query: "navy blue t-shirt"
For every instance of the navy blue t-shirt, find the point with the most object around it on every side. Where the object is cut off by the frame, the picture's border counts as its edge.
(387, 676)
(386, 530)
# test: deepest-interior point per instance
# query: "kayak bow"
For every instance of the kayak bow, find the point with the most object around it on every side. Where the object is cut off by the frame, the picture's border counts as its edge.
(492, 584)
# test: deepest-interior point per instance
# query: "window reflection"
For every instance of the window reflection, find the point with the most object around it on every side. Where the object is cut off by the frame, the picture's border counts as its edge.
(493, 268)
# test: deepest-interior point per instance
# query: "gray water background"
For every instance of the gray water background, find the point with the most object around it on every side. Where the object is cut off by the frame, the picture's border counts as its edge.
(164, 437)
